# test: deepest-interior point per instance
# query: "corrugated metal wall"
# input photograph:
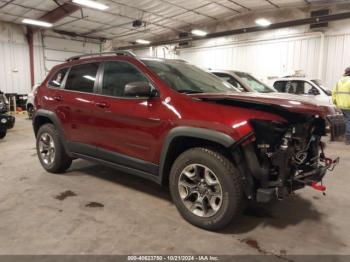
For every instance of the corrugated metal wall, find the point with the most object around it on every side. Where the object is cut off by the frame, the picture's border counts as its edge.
(14, 60)
(263, 58)
(337, 58)
(48, 52)
(276, 58)
(57, 50)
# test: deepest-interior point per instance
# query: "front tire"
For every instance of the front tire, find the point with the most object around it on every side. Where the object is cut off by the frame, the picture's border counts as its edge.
(50, 150)
(206, 188)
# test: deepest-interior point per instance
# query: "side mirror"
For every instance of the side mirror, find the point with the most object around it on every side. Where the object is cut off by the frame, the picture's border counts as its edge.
(139, 89)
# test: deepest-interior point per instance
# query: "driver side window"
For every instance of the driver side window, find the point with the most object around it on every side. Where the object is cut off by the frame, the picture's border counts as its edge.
(117, 74)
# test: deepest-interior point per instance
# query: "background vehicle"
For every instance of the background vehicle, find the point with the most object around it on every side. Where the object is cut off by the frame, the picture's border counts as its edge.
(171, 122)
(30, 102)
(243, 81)
(248, 83)
(305, 87)
(6, 122)
(3, 103)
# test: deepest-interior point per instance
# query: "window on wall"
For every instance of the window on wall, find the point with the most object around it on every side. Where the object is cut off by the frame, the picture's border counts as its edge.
(82, 78)
(57, 80)
(117, 75)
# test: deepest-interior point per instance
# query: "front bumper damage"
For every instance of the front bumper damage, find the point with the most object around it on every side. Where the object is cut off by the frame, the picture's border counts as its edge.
(282, 158)
(299, 180)
(312, 179)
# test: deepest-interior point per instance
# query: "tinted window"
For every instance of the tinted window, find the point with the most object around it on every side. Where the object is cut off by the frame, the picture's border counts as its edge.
(230, 79)
(117, 75)
(186, 78)
(57, 79)
(296, 87)
(254, 83)
(82, 78)
(280, 86)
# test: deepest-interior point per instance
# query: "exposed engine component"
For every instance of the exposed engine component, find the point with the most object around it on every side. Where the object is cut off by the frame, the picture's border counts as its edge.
(288, 157)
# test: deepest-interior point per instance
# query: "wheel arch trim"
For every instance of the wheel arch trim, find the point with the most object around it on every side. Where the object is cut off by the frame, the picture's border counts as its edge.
(191, 132)
(55, 121)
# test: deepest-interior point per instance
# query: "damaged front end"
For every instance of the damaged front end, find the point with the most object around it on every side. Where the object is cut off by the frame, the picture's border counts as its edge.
(285, 157)
(280, 148)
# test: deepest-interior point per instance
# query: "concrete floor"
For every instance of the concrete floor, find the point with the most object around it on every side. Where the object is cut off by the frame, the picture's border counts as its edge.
(107, 212)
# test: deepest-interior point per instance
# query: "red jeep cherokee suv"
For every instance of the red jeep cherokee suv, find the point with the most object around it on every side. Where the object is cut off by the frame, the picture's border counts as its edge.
(171, 122)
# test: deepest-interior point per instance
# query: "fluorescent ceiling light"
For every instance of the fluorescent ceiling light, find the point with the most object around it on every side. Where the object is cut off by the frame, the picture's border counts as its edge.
(36, 22)
(91, 4)
(198, 32)
(263, 22)
(143, 42)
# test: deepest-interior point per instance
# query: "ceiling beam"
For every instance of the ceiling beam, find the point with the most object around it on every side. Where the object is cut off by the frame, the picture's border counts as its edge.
(272, 3)
(56, 15)
(291, 23)
(149, 12)
(5, 4)
(191, 10)
(240, 5)
(60, 12)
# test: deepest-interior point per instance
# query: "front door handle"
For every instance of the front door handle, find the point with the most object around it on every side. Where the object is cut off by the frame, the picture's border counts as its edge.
(102, 105)
(58, 98)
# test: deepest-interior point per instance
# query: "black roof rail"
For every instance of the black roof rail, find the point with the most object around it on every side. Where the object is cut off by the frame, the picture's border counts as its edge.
(117, 52)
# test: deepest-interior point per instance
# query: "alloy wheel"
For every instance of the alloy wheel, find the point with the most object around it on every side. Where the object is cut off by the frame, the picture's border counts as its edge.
(200, 190)
(47, 148)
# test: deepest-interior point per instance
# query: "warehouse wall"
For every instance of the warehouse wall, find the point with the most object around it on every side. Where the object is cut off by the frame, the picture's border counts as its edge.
(14, 60)
(49, 50)
(278, 53)
(52, 49)
(269, 54)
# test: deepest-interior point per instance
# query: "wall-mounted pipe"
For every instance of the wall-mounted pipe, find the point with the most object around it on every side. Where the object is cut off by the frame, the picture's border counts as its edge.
(30, 39)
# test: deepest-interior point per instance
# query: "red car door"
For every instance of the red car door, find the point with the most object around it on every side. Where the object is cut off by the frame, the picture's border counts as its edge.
(126, 126)
(77, 102)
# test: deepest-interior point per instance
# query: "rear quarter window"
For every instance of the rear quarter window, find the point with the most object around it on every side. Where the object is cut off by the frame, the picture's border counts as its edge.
(57, 80)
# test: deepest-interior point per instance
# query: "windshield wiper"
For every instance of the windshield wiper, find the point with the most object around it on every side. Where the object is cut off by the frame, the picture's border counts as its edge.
(187, 91)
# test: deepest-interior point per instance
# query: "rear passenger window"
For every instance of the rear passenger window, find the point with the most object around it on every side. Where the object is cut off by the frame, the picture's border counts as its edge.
(117, 75)
(280, 86)
(82, 78)
(57, 79)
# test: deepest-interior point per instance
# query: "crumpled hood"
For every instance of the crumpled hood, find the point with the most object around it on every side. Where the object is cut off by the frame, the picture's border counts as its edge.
(287, 102)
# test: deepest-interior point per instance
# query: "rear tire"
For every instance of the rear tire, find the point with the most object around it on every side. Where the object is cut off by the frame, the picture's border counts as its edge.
(50, 150)
(3, 133)
(206, 188)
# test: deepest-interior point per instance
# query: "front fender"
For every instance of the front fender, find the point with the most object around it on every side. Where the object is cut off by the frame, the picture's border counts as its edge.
(195, 132)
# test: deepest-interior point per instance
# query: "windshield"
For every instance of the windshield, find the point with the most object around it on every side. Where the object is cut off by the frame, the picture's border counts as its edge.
(320, 85)
(254, 83)
(187, 78)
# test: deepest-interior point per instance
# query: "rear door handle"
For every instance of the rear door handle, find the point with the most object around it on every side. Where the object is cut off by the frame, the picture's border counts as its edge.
(58, 98)
(102, 105)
